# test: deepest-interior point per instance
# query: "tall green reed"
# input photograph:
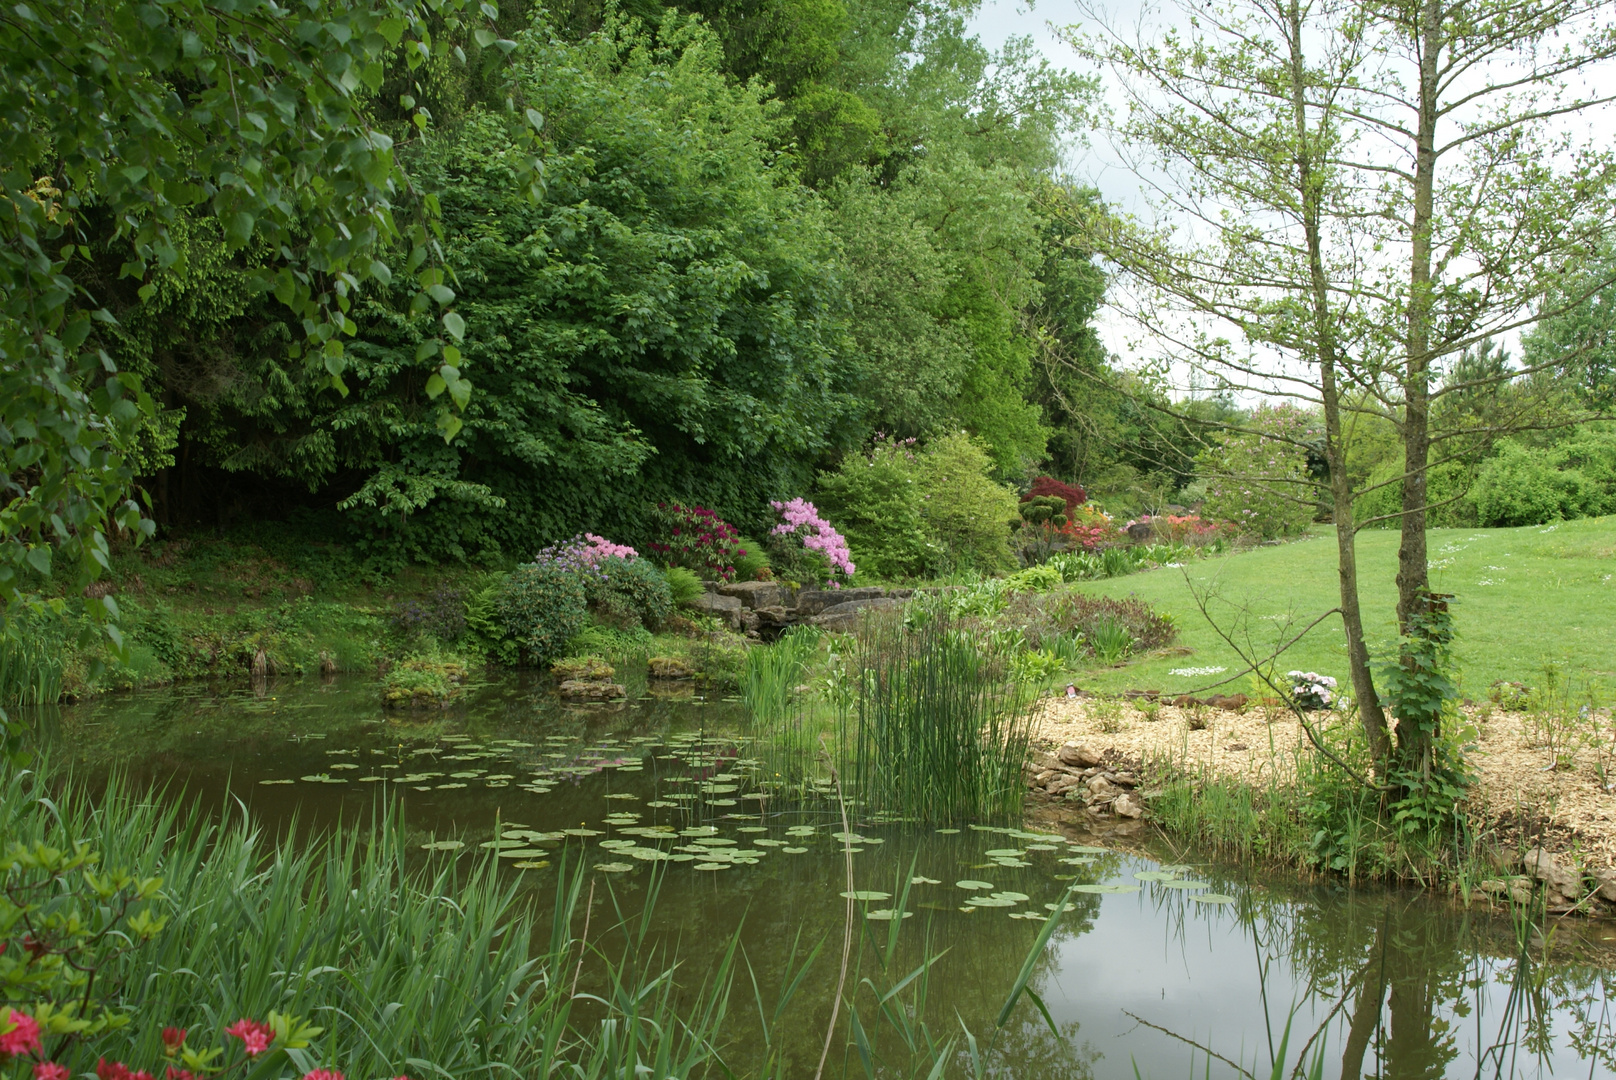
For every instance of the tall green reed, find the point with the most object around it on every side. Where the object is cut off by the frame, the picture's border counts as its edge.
(33, 656)
(417, 966)
(941, 726)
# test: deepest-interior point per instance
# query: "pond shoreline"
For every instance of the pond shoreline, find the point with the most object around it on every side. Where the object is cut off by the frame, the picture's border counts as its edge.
(1574, 825)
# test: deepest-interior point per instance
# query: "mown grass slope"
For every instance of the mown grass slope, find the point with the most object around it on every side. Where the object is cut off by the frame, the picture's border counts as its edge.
(1526, 597)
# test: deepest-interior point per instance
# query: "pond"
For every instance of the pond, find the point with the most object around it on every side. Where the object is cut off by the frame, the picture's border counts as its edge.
(1163, 964)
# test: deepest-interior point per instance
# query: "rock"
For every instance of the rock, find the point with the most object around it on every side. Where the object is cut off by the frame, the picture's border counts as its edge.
(1123, 779)
(1044, 776)
(755, 594)
(845, 617)
(1605, 884)
(773, 621)
(725, 607)
(669, 667)
(1062, 784)
(1101, 788)
(1140, 531)
(1128, 805)
(1230, 702)
(593, 691)
(1554, 874)
(818, 601)
(1080, 755)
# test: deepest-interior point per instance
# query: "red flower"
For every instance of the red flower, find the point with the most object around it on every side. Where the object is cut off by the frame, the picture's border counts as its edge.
(19, 1034)
(173, 1039)
(255, 1034)
(140, 1074)
(50, 1070)
(322, 1074)
(111, 1070)
(179, 1074)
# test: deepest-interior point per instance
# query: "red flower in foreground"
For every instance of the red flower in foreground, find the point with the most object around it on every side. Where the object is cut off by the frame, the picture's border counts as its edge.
(179, 1074)
(111, 1070)
(19, 1034)
(322, 1074)
(173, 1039)
(255, 1034)
(50, 1070)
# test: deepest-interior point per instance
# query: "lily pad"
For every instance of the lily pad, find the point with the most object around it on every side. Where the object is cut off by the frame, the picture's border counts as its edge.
(1013, 897)
(866, 895)
(1108, 888)
(444, 845)
(1012, 862)
(1079, 860)
(1063, 907)
(794, 850)
(267, 782)
(1043, 847)
(968, 884)
(1177, 884)
(924, 881)
(1083, 849)
(764, 841)
(887, 915)
(1154, 875)
(522, 853)
(948, 832)
(539, 864)
(1213, 898)
(990, 901)
(614, 867)
(1003, 853)
(581, 832)
(713, 865)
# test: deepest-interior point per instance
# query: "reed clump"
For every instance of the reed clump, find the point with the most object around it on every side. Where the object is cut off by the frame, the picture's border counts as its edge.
(941, 725)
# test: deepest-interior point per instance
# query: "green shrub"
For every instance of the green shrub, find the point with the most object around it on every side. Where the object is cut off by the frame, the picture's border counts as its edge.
(1258, 479)
(1447, 487)
(875, 500)
(756, 559)
(424, 681)
(683, 585)
(1525, 486)
(540, 606)
(596, 639)
(966, 514)
(628, 593)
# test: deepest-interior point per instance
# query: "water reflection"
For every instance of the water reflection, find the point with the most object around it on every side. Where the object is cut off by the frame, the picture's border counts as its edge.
(1372, 984)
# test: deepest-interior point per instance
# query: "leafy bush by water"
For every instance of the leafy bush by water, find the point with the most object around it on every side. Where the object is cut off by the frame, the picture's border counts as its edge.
(629, 593)
(540, 606)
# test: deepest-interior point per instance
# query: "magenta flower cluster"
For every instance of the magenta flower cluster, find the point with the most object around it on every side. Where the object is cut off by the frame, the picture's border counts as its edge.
(800, 518)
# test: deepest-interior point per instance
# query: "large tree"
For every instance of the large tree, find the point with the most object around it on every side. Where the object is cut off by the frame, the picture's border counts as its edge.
(121, 121)
(1350, 196)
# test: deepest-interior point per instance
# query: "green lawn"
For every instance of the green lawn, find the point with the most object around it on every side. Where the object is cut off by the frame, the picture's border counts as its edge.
(1526, 597)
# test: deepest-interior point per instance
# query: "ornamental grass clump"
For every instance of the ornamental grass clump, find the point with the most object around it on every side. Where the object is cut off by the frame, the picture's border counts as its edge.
(806, 548)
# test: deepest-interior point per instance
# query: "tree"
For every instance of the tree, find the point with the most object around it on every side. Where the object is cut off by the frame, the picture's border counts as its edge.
(1353, 195)
(119, 121)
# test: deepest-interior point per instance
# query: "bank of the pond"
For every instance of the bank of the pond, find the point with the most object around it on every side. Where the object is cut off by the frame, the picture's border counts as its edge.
(1537, 790)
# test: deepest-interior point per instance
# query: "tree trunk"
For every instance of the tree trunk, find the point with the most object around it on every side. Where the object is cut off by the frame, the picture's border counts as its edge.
(1413, 580)
(1370, 713)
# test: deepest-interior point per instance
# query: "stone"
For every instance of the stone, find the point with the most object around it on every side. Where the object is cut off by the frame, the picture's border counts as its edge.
(1044, 776)
(1554, 874)
(1101, 788)
(755, 594)
(844, 617)
(593, 691)
(1140, 531)
(1062, 784)
(1123, 779)
(1605, 884)
(669, 667)
(711, 603)
(1080, 755)
(1229, 702)
(817, 601)
(1128, 805)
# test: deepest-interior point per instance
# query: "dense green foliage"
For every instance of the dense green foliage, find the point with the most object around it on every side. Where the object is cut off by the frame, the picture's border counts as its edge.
(541, 605)
(629, 593)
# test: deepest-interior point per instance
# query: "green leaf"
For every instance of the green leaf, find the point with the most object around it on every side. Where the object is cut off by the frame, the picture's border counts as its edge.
(435, 385)
(455, 325)
(441, 293)
(536, 119)
(483, 38)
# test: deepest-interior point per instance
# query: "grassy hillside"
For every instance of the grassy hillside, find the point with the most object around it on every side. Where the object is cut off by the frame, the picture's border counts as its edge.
(1525, 598)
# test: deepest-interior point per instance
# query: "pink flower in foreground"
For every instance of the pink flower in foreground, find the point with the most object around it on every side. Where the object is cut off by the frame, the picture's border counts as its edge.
(111, 1070)
(253, 1033)
(173, 1039)
(179, 1074)
(50, 1070)
(322, 1074)
(19, 1034)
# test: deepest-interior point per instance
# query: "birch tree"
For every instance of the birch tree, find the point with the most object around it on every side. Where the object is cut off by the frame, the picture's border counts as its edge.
(1348, 196)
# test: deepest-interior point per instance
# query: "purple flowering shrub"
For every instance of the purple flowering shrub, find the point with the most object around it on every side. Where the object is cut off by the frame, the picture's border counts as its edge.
(1258, 478)
(806, 548)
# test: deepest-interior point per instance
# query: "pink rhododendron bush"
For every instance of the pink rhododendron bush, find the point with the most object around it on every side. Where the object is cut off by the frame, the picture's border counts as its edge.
(807, 549)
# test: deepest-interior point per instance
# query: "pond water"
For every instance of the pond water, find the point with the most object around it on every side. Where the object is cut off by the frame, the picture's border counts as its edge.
(1164, 965)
